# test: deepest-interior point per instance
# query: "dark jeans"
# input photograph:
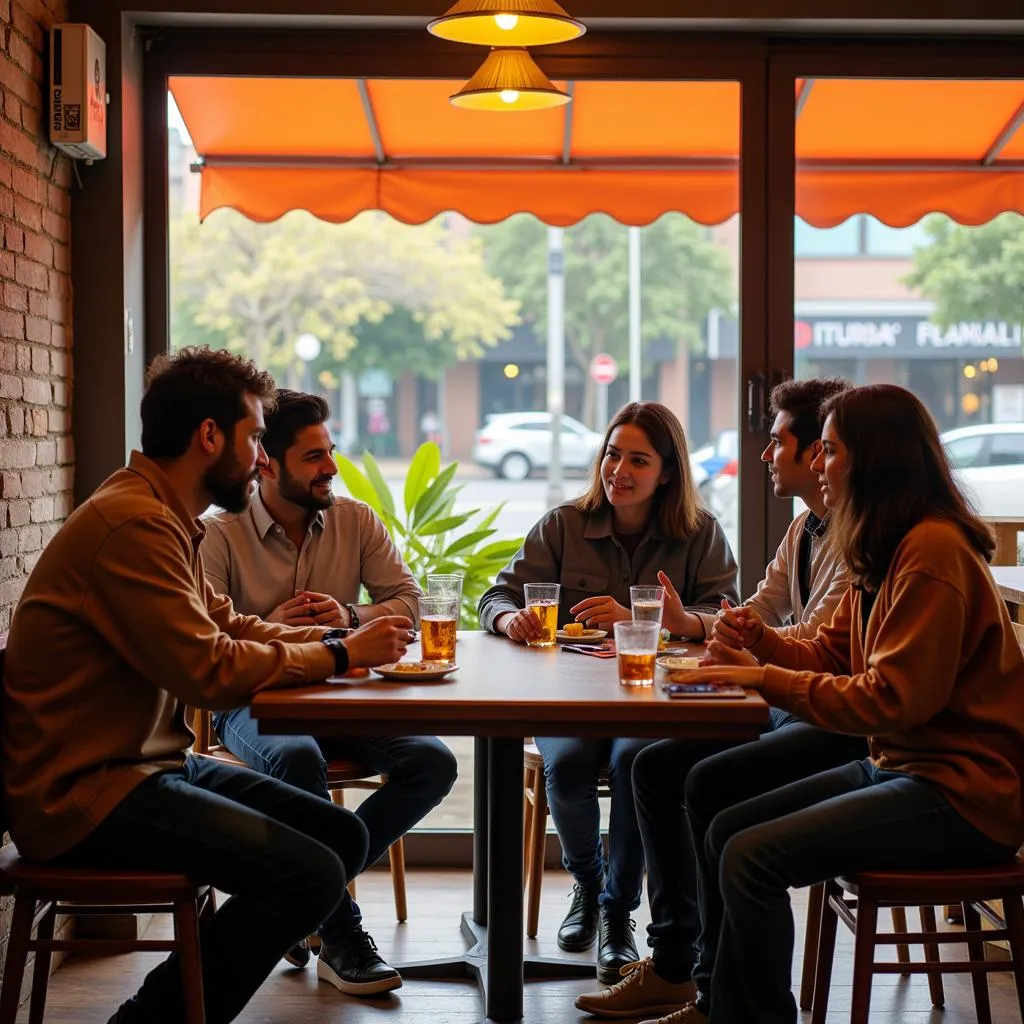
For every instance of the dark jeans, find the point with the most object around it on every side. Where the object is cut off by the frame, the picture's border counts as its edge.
(665, 780)
(283, 856)
(420, 769)
(571, 768)
(854, 818)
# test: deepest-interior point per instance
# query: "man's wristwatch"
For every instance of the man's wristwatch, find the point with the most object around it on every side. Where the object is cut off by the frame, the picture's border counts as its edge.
(340, 652)
(353, 616)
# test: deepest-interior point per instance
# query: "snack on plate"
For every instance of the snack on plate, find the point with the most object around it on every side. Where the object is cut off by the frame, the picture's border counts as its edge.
(573, 629)
(415, 666)
(677, 662)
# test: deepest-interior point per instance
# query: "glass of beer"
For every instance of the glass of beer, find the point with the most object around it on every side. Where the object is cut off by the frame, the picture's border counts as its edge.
(648, 604)
(439, 616)
(542, 600)
(447, 585)
(636, 645)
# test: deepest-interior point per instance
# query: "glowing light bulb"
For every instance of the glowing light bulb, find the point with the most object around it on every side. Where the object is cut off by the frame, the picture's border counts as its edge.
(509, 95)
(507, 22)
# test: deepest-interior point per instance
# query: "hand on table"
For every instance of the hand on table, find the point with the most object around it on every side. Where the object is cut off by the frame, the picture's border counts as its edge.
(721, 675)
(379, 642)
(521, 626)
(308, 608)
(737, 627)
(600, 612)
(718, 653)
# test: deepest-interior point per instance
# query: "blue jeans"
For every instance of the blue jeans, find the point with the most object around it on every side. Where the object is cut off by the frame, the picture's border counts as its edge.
(571, 768)
(421, 771)
(854, 818)
(715, 774)
(283, 856)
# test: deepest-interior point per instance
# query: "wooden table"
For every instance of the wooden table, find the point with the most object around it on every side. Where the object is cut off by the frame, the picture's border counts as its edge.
(1010, 579)
(501, 693)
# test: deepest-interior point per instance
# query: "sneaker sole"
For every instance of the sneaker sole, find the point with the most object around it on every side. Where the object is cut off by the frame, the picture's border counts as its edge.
(292, 961)
(635, 1013)
(352, 988)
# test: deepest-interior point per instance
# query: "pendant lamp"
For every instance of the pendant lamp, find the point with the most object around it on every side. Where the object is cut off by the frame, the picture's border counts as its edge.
(509, 80)
(505, 23)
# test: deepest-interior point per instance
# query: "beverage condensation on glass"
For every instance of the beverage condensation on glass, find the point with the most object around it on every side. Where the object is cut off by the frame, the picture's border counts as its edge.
(542, 600)
(648, 603)
(446, 585)
(636, 647)
(438, 622)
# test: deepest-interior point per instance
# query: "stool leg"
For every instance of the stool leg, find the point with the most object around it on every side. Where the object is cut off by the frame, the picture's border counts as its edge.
(1013, 911)
(863, 958)
(396, 855)
(976, 952)
(931, 954)
(527, 821)
(538, 845)
(899, 924)
(811, 933)
(186, 932)
(828, 922)
(17, 955)
(41, 968)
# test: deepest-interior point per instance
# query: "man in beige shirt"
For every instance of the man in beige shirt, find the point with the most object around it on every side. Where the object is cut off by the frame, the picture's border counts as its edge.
(299, 555)
(116, 631)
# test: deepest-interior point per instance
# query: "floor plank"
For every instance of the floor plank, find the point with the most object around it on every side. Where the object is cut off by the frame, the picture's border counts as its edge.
(86, 990)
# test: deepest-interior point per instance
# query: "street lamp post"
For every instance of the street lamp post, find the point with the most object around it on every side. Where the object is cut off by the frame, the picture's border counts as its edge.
(307, 348)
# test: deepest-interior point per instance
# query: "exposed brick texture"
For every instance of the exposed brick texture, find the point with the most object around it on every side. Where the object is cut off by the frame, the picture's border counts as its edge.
(36, 453)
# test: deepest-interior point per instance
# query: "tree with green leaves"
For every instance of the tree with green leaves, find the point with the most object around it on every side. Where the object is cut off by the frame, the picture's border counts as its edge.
(972, 272)
(376, 292)
(684, 276)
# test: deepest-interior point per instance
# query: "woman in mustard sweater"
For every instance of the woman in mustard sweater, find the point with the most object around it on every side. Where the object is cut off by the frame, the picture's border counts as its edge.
(921, 659)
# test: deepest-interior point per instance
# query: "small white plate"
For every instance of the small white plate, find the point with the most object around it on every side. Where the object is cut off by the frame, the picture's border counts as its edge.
(414, 671)
(588, 636)
(675, 662)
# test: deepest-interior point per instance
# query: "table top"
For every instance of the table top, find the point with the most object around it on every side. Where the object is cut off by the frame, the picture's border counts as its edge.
(506, 689)
(1010, 580)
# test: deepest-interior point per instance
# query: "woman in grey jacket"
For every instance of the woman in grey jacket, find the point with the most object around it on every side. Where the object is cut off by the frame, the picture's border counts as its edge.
(640, 521)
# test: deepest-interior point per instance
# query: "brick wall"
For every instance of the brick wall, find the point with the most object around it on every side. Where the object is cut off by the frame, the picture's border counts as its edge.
(36, 454)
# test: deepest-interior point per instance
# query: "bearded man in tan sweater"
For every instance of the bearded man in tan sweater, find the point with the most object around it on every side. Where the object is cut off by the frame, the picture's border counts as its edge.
(116, 631)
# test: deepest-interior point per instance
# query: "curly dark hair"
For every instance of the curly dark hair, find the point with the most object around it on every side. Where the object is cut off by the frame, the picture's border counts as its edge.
(898, 474)
(803, 400)
(295, 410)
(193, 385)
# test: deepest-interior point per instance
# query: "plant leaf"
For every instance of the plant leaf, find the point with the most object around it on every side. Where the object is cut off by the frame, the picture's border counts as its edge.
(433, 496)
(436, 526)
(380, 485)
(467, 540)
(425, 465)
(356, 484)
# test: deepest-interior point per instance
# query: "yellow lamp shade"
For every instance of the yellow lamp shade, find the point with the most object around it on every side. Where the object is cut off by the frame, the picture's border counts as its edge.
(509, 80)
(507, 23)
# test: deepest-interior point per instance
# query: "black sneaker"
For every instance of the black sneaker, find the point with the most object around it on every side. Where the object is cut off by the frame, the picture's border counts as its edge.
(299, 954)
(617, 947)
(579, 929)
(355, 967)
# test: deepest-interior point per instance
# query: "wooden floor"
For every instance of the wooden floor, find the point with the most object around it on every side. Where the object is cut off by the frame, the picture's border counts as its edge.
(87, 990)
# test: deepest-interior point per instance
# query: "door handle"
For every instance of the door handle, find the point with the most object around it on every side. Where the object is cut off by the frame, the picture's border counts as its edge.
(757, 413)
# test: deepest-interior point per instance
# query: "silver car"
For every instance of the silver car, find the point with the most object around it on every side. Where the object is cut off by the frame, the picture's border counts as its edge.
(989, 459)
(514, 444)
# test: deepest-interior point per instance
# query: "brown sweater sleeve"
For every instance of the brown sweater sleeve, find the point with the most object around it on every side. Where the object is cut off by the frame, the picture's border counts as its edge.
(145, 600)
(910, 673)
(828, 651)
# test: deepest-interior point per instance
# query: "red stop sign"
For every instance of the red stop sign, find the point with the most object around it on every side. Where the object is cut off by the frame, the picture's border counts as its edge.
(603, 369)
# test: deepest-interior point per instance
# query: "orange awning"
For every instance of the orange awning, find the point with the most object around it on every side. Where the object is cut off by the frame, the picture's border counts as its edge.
(635, 150)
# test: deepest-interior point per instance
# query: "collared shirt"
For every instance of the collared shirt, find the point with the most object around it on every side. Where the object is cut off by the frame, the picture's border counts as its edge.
(249, 558)
(778, 600)
(581, 552)
(115, 633)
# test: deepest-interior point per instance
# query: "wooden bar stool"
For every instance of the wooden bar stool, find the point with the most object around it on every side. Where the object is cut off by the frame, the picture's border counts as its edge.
(973, 889)
(341, 775)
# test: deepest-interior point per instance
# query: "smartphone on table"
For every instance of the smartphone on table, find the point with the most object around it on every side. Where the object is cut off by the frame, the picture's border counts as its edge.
(678, 691)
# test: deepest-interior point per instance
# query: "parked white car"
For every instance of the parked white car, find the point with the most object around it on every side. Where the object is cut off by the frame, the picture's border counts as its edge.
(989, 459)
(514, 444)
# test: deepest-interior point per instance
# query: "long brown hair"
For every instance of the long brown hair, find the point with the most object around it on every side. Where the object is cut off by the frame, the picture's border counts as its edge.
(898, 473)
(676, 502)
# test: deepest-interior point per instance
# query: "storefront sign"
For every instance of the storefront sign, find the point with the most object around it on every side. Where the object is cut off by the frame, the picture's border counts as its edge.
(903, 337)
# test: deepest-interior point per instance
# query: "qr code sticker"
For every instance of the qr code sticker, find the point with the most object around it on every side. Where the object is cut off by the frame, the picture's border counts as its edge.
(72, 117)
